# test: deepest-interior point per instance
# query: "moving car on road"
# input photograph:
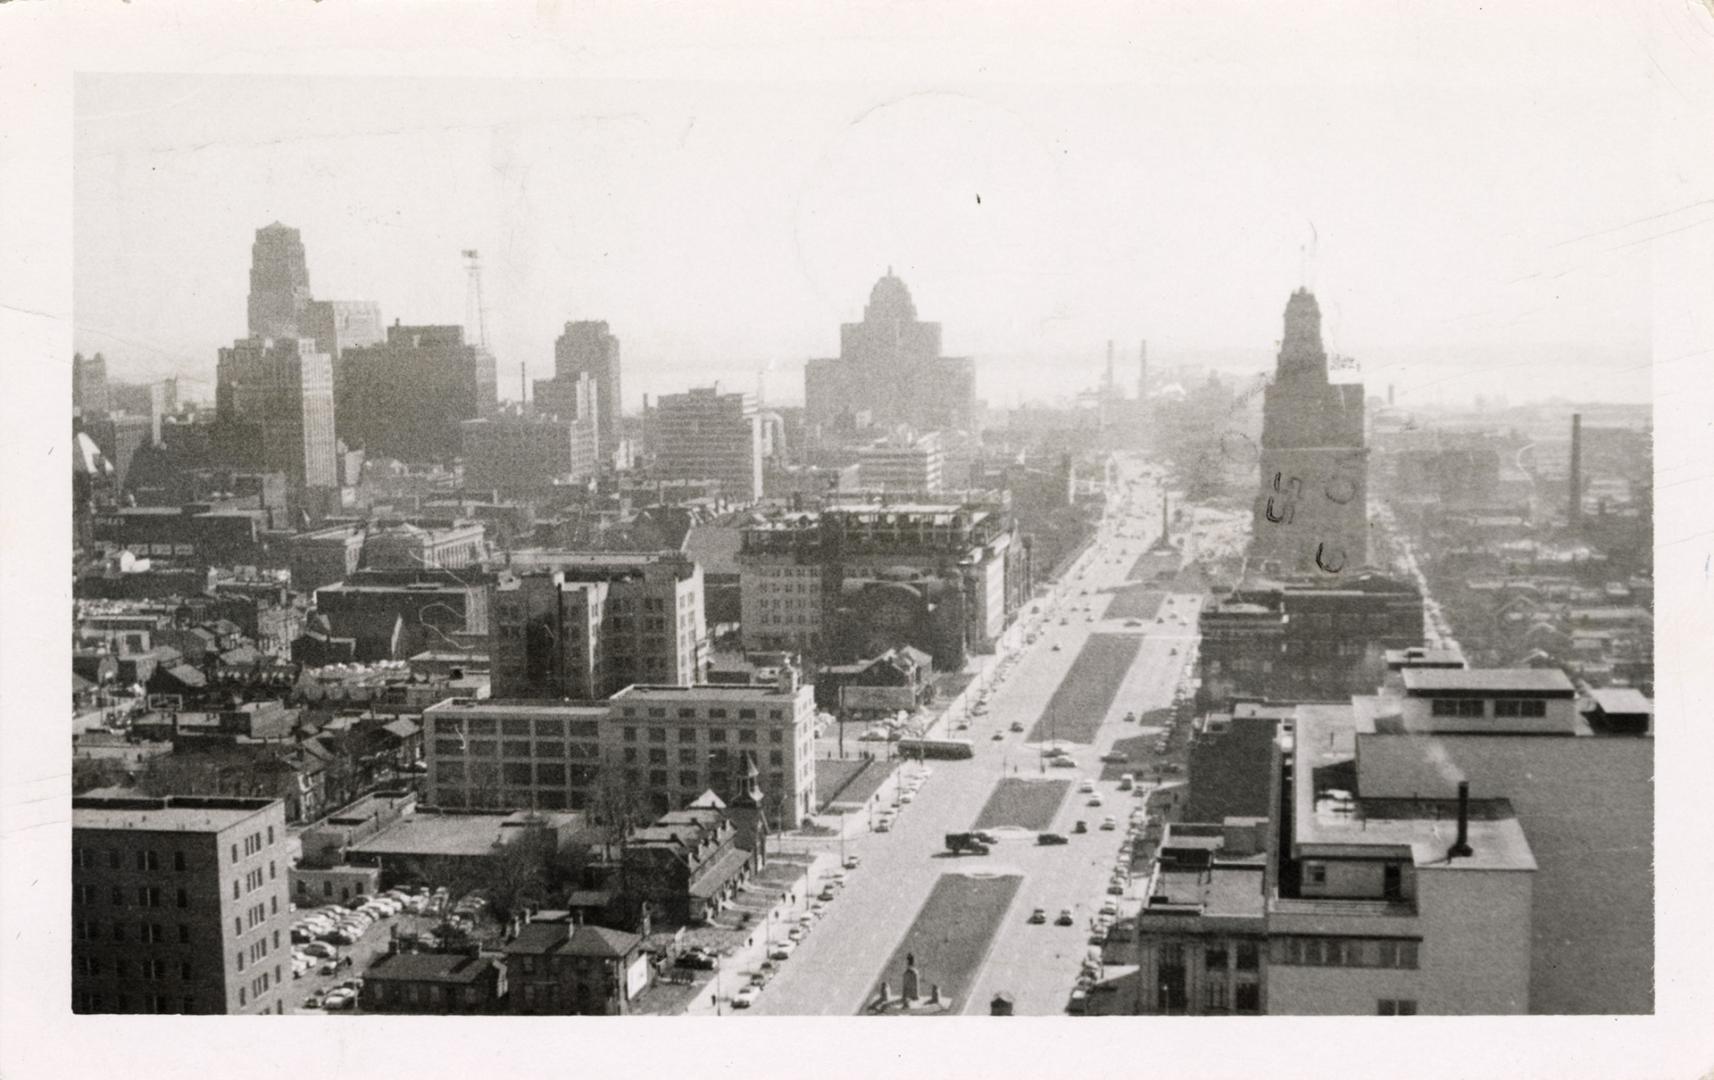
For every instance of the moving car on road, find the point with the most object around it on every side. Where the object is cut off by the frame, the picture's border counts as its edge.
(1050, 838)
(851, 862)
(1017, 726)
(745, 998)
(1108, 824)
(1038, 916)
(1080, 827)
(1065, 918)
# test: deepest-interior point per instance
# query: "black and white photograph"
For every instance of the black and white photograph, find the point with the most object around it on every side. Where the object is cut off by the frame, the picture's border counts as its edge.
(1136, 514)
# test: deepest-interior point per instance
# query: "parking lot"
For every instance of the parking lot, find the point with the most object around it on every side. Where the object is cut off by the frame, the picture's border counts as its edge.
(333, 945)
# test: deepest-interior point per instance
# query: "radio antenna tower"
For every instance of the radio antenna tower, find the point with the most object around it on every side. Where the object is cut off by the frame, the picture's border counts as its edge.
(475, 315)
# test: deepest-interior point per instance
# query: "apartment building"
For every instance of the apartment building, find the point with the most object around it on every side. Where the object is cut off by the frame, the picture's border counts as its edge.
(588, 624)
(179, 905)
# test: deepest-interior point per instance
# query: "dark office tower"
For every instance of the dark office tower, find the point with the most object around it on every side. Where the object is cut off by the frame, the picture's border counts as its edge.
(1574, 505)
(407, 397)
(587, 348)
(279, 283)
(89, 385)
(889, 366)
(281, 391)
(1311, 515)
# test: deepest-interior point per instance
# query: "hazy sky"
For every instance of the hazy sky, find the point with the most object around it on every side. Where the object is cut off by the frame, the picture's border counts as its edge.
(1490, 213)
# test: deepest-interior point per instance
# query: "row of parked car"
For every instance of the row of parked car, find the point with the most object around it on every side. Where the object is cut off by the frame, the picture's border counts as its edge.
(780, 951)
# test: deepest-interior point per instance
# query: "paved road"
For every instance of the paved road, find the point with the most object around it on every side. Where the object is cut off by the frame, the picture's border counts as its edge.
(843, 957)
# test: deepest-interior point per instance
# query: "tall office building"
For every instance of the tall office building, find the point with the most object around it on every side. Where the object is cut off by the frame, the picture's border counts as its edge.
(889, 366)
(89, 384)
(179, 905)
(279, 282)
(407, 396)
(1311, 515)
(337, 325)
(587, 348)
(707, 435)
(282, 389)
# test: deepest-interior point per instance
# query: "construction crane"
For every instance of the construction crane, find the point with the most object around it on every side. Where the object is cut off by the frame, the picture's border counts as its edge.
(475, 316)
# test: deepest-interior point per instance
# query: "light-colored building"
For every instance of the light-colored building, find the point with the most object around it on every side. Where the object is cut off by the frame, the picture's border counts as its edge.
(1463, 842)
(659, 747)
(512, 754)
(779, 586)
(179, 905)
(707, 435)
(675, 742)
(648, 613)
(406, 545)
(903, 464)
(590, 349)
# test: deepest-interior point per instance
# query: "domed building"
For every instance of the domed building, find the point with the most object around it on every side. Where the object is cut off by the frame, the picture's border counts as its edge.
(889, 372)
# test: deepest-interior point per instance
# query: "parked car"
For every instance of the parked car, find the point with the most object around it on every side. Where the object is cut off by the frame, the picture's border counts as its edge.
(1062, 763)
(745, 998)
(1048, 838)
(851, 862)
(1086, 785)
(1115, 757)
(1080, 827)
(321, 950)
(1108, 824)
(1017, 726)
(782, 951)
(1095, 799)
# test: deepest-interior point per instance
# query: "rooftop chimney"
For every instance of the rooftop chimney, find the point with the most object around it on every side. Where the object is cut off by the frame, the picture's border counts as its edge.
(1461, 848)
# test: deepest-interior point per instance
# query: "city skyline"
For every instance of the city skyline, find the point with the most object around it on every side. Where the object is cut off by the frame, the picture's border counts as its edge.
(1010, 213)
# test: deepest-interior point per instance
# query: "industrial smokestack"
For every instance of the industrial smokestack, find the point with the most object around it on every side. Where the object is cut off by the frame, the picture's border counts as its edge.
(1461, 847)
(1574, 511)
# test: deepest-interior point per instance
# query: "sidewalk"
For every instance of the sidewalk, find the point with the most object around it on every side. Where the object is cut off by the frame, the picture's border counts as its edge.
(735, 969)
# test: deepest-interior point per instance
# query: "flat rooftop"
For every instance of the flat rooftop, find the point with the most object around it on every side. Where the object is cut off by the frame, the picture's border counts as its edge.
(1355, 827)
(716, 691)
(1550, 682)
(449, 834)
(174, 813)
(518, 707)
(1622, 699)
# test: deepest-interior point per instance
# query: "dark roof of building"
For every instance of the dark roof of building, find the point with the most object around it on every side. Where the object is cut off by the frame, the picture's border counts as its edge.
(560, 938)
(429, 967)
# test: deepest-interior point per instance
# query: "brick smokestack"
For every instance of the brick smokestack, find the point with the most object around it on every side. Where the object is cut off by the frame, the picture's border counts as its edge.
(1461, 848)
(1574, 509)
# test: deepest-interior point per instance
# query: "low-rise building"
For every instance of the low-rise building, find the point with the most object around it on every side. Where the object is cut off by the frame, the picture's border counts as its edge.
(669, 744)
(438, 984)
(687, 865)
(555, 967)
